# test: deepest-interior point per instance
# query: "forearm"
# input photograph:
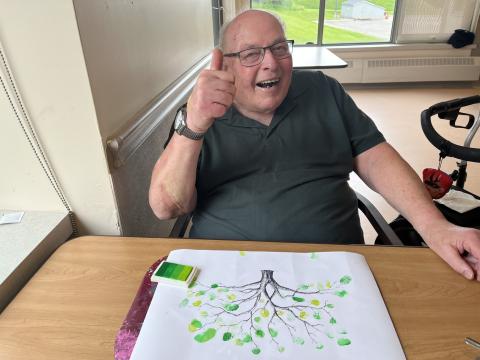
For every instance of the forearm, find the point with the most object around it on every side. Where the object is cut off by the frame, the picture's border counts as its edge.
(387, 173)
(172, 187)
(383, 169)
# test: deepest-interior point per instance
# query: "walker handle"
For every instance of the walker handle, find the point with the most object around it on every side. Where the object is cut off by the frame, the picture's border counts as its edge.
(444, 109)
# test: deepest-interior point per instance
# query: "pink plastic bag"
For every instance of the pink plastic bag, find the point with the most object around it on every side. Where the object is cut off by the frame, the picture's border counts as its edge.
(128, 333)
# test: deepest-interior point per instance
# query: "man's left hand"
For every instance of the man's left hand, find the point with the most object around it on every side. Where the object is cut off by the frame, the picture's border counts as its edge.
(458, 246)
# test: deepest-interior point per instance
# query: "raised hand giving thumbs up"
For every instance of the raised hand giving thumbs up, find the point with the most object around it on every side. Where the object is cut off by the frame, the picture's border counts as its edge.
(212, 95)
(217, 60)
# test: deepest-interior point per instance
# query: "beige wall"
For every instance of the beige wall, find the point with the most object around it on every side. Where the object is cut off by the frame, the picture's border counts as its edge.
(135, 49)
(40, 39)
(20, 174)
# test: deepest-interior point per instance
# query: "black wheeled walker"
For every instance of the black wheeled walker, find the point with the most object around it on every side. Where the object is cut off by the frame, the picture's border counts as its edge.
(436, 181)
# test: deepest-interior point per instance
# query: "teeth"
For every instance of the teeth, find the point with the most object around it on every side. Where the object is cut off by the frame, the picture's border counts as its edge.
(267, 83)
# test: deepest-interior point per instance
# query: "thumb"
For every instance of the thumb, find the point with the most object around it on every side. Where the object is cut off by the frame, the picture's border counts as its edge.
(458, 264)
(217, 60)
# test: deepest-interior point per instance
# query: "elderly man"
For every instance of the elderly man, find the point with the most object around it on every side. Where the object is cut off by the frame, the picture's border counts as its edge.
(264, 153)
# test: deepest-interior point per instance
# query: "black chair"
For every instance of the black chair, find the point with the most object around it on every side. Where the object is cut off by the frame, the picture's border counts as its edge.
(380, 225)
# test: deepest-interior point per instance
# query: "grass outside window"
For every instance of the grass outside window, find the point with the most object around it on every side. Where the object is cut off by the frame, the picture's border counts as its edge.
(301, 19)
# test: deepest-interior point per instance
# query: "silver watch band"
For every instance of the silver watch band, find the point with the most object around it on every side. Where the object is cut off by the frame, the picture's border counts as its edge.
(191, 134)
(182, 128)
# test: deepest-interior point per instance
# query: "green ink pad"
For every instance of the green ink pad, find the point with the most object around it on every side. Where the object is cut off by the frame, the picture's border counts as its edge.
(174, 274)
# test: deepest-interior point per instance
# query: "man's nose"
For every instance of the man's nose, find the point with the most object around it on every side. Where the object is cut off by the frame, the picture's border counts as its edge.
(269, 61)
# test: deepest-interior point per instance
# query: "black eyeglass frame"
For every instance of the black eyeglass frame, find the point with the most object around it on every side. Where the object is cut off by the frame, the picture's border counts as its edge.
(264, 49)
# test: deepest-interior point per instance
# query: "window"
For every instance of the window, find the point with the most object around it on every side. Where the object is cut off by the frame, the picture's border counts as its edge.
(331, 22)
(435, 20)
(217, 19)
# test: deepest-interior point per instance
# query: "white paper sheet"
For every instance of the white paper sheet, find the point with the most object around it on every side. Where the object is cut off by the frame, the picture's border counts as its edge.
(11, 218)
(266, 305)
(459, 201)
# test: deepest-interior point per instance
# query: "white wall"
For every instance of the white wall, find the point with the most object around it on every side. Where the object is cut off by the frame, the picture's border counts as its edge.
(41, 41)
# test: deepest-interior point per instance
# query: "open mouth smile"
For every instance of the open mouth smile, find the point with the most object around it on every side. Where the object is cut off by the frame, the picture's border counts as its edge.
(268, 83)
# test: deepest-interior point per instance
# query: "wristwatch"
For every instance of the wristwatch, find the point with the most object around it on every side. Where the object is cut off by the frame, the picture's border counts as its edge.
(181, 127)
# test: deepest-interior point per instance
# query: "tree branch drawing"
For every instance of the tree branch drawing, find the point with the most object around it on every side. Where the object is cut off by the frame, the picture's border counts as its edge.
(265, 311)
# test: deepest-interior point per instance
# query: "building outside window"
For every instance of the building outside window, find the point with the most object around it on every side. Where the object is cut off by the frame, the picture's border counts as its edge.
(334, 22)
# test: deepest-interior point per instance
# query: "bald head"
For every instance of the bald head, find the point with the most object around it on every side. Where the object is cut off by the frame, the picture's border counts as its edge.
(248, 18)
(252, 32)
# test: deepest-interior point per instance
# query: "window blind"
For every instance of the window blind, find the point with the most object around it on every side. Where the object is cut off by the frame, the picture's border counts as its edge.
(434, 20)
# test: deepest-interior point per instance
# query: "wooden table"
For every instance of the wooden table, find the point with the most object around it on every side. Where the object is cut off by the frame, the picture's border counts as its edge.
(74, 305)
(315, 57)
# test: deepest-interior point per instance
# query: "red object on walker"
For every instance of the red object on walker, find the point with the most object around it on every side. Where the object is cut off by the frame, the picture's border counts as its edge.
(437, 182)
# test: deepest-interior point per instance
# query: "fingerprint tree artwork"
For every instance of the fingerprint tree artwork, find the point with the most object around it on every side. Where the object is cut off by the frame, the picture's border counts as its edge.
(266, 313)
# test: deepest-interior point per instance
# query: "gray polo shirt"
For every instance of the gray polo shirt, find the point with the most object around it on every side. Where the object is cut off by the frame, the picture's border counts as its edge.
(286, 181)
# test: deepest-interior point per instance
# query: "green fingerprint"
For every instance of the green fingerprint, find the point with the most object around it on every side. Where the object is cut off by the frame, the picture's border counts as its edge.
(345, 280)
(247, 338)
(299, 341)
(273, 332)
(231, 307)
(343, 342)
(260, 333)
(194, 325)
(205, 336)
(256, 351)
(298, 299)
(227, 336)
(341, 293)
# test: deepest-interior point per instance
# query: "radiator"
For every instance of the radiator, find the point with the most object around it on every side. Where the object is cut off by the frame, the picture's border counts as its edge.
(417, 69)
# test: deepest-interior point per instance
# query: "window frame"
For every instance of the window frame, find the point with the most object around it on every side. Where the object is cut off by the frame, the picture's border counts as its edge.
(393, 33)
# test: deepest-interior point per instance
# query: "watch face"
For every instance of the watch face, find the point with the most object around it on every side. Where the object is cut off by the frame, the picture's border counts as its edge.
(179, 121)
(181, 128)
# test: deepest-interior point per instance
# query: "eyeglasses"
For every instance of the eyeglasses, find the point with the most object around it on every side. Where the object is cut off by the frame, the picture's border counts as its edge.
(254, 56)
